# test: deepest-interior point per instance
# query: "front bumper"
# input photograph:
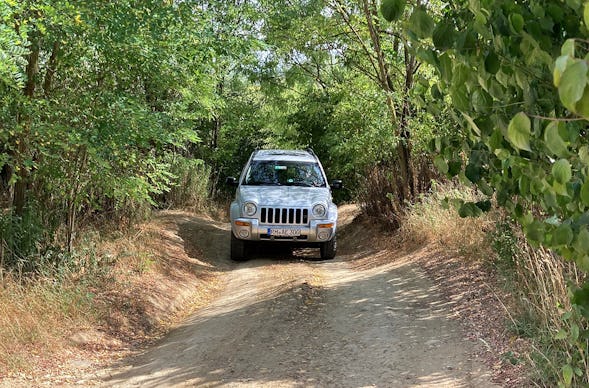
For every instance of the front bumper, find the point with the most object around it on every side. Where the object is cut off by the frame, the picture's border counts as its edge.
(316, 231)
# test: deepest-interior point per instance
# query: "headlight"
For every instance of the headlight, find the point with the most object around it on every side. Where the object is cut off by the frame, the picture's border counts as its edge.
(319, 210)
(249, 209)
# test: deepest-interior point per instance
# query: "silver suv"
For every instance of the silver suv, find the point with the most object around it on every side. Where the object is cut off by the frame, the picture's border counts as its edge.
(283, 196)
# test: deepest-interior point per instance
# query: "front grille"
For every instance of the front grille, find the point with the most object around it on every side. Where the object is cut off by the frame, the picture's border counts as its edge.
(284, 216)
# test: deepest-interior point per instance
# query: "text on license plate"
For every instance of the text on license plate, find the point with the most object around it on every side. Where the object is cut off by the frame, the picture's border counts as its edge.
(284, 232)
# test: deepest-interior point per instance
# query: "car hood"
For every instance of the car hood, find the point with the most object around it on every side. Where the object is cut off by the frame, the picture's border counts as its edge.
(284, 196)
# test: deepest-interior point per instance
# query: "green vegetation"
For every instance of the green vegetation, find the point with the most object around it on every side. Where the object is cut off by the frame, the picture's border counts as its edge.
(514, 73)
(111, 109)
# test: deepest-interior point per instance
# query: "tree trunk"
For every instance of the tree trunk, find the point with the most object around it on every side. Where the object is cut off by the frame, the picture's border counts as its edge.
(399, 124)
(72, 200)
(51, 68)
(216, 129)
(22, 151)
(404, 148)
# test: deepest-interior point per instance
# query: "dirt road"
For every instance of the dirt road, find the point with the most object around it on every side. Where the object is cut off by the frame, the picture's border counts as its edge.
(289, 320)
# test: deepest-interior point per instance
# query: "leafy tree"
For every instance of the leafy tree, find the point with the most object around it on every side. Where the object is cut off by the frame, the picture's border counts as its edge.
(327, 71)
(516, 74)
(96, 99)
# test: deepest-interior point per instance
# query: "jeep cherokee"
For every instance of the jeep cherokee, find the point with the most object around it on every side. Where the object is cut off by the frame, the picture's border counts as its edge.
(283, 196)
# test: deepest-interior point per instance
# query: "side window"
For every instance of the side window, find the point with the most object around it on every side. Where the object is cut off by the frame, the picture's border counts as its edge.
(315, 175)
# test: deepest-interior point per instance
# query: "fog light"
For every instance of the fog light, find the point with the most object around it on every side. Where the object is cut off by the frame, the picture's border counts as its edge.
(244, 233)
(323, 235)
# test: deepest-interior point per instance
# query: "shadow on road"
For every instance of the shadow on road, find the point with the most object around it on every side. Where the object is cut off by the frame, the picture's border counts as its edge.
(373, 319)
(382, 326)
(209, 242)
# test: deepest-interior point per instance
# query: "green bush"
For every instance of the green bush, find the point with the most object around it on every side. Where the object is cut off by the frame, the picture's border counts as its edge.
(192, 185)
(21, 241)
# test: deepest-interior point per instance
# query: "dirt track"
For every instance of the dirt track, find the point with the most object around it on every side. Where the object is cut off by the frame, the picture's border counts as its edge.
(288, 320)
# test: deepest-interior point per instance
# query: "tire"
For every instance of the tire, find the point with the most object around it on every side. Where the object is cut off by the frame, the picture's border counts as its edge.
(328, 249)
(238, 249)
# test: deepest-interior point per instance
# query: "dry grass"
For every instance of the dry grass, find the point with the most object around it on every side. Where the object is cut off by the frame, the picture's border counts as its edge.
(535, 279)
(429, 221)
(117, 293)
(544, 276)
(543, 280)
(35, 318)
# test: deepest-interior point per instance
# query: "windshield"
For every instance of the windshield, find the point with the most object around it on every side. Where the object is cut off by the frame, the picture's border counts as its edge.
(282, 173)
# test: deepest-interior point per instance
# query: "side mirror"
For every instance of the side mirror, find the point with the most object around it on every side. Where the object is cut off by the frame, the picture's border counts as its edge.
(337, 184)
(231, 181)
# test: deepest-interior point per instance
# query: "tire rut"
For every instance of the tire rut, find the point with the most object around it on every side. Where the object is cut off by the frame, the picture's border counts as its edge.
(299, 323)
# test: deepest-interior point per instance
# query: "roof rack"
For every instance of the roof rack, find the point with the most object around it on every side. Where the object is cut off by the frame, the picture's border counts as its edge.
(310, 150)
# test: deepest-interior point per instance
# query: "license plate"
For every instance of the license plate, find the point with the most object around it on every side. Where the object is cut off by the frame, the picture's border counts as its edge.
(284, 232)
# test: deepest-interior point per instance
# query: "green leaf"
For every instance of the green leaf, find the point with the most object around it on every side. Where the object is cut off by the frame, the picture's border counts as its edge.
(472, 124)
(555, 12)
(554, 141)
(562, 334)
(519, 131)
(485, 206)
(517, 22)
(421, 23)
(568, 48)
(473, 172)
(469, 209)
(567, 375)
(454, 167)
(392, 9)
(583, 264)
(572, 84)
(524, 185)
(585, 193)
(443, 36)
(582, 107)
(492, 64)
(561, 170)
(485, 187)
(441, 164)
(560, 66)
(460, 75)
(459, 96)
(563, 235)
(535, 231)
(581, 244)
(481, 101)
(584, 155)
(586, 15)
(574, 332)
(436, 93)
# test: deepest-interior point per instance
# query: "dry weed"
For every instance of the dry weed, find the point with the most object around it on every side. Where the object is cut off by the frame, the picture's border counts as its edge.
(34, 318)
(543, 280)
(121, 289)
(429, 221)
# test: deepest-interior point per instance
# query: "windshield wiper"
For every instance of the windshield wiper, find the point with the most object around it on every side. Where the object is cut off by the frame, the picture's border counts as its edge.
(262, 184)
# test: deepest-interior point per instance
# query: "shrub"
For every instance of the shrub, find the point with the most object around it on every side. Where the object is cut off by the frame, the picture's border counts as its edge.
(192, 186)
(541, 282)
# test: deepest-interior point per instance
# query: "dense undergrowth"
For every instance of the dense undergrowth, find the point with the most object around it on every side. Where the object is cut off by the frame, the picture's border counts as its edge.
(538, 281)
(64, 292)
(48, 293)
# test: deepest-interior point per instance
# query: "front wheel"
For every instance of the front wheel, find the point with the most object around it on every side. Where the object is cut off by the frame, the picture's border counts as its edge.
(238, 249)
(328, 249)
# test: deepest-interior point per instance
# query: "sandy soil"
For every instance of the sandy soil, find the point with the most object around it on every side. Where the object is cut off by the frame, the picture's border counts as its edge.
(290, 320)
